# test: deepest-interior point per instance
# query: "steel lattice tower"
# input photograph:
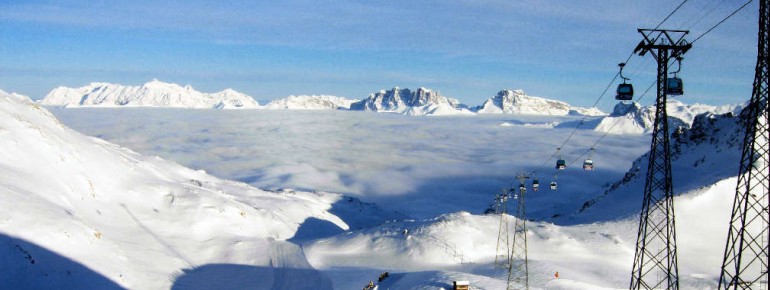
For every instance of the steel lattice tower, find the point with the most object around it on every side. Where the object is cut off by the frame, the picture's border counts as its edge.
(655, 262)
(518, 271)
(746, 259)
(503, 242)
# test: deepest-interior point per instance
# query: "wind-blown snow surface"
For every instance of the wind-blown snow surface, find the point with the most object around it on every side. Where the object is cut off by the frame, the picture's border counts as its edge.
(322, 102)
(152, 94)
(78, 212)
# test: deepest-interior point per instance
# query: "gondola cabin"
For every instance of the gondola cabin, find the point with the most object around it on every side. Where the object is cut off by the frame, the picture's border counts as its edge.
(553, 185)
(674, 86)
(625, 92)
(535, 185)
(588, 165)
(561, 164)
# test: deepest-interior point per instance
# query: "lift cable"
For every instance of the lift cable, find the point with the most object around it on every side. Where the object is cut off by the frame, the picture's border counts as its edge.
(723, 20)
(669, 15)
(609, 130)
(604, 92)
(690, 23)
(582, 121)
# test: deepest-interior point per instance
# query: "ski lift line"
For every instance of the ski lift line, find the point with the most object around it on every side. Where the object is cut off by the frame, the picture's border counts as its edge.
(582, 121)
(587, 151)
(612, 127)
(669, 15)
(556, 172)
(722, 21)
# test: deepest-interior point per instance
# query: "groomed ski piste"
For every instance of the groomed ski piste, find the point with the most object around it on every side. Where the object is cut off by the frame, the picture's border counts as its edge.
(79, 212)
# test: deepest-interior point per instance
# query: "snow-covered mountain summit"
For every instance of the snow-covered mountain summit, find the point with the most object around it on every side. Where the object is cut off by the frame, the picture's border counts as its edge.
(419, 102)
(313, 102)
(151, 94)
(517, 102)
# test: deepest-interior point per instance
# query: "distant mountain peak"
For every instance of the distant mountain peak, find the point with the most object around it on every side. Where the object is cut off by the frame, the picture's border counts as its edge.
(154, 93)
(314, 102)
(510, 101)
(422, 101)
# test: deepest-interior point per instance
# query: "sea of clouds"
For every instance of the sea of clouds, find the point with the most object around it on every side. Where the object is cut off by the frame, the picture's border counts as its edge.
(421, 166)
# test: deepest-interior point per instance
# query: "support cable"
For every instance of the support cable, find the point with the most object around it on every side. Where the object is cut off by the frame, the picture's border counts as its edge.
(669, 15)
(723, 20)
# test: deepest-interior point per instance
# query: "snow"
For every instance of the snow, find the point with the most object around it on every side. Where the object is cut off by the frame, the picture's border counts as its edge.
(152, 94)
(421, 102)
(132, 219)
(517, 102)
(633, 118)
(81, 212)
(314, 102)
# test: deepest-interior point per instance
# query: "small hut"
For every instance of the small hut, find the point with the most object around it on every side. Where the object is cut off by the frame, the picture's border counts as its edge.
(462, 285)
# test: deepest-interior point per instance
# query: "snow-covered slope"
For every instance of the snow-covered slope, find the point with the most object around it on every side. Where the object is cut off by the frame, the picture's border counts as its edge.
(462, 246)
(151, 94)
(707, 152)
(517, 102)
(420, 102)
(77, 212)
(314, 102)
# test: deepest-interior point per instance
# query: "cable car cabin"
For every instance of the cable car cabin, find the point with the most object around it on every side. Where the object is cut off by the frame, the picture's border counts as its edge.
(625, 92)
(535, 185)
(588, 164)
(674, 86)
(561, 164)
(553, 185)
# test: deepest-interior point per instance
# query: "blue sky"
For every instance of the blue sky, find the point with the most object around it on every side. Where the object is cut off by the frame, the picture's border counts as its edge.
(466, 49)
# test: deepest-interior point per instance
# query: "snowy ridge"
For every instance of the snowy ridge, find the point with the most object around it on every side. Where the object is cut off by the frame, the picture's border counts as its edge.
(130, 220)
(633, 118)
(151, 94)
(517, 102)
(313, 102)
(415, 103)
(711, 147)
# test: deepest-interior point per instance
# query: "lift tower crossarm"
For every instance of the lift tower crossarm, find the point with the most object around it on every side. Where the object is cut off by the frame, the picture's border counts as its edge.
(671, 40)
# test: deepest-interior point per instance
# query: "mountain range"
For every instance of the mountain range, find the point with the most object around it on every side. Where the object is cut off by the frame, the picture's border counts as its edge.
(151, 94)
(421, 101)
